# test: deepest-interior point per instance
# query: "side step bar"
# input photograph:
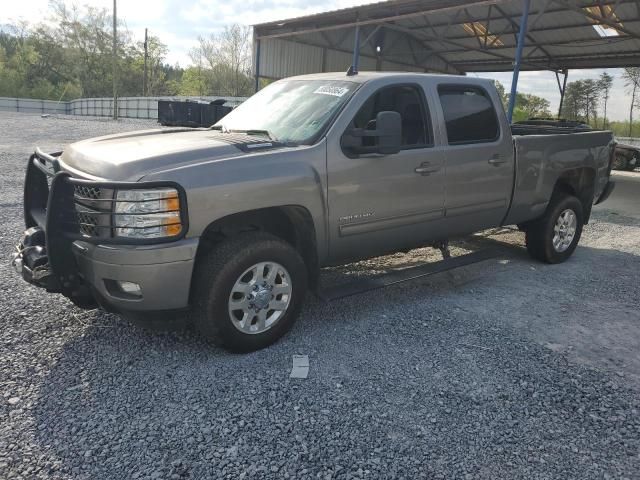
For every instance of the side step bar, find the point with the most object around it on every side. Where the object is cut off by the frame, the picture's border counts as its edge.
(398, 276)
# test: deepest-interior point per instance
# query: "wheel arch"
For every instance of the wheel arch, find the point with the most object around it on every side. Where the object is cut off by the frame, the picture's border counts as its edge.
(579, 182)
(292, 223)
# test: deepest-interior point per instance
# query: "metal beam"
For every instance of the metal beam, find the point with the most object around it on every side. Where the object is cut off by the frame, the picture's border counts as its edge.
(617, 26)
(511, 31)
(563, 89)
(370, 36)
(356, 52)
(529, 37)
(516, 70)
(257, 80)
(376, 21)
(362, 55)
(543, 11)
(488, 52)
(274, 26)
(392, 26)
(595, 42)
(626, 59)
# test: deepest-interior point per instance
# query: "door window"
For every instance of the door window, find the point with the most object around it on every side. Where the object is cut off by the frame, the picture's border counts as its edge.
(469, 115)
(408, 102)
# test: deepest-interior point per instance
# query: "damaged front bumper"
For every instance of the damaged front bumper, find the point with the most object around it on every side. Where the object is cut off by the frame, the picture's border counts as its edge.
(30, 260)
(69, 246)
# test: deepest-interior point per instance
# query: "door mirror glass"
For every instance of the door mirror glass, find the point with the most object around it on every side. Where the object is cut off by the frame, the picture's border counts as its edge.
(382, 135)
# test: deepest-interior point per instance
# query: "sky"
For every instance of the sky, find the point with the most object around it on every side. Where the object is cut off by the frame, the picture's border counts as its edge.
(178, 23)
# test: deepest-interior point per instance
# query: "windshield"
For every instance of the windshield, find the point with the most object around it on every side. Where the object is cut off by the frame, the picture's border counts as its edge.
(294, 111)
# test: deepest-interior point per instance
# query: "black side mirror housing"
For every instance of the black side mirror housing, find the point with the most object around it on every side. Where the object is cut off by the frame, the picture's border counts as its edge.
(387, 135)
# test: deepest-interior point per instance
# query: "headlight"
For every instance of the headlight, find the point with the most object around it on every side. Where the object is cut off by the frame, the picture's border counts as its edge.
(148, 213)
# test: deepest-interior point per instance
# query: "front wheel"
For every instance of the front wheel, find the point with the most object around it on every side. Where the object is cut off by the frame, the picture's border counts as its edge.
(554, 237)
(248, 291)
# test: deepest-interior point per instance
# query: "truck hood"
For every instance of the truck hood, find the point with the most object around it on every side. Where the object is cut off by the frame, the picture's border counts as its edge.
(130, 156)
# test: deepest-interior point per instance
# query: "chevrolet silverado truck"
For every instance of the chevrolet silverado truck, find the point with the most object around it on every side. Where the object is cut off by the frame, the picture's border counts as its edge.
(233, 223)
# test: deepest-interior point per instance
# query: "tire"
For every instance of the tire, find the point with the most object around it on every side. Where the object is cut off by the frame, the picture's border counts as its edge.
(633, 163)
(229, 267)
(541, 232)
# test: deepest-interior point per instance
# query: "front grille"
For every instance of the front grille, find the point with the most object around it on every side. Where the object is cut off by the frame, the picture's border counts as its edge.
(87, 193)
(93, 210)
(88, 221)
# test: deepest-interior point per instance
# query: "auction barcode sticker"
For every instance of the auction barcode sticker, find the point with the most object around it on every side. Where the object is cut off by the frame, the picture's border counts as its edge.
(330, 90)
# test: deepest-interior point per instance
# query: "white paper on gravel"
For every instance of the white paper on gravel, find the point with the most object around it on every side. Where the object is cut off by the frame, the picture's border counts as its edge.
(300, 366)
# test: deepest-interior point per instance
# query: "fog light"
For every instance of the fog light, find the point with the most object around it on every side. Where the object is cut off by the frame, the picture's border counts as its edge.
(130, 288)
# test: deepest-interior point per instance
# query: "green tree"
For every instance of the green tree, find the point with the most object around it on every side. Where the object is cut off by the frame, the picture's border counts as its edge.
(631, 76)
(533, 105)
(605, 83)
(590, 91)
(70, 56)
(502, 93)
(528, 106)
(223, 61)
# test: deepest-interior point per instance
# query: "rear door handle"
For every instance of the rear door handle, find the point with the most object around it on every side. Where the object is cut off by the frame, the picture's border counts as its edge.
(496, 160)
(426, 168)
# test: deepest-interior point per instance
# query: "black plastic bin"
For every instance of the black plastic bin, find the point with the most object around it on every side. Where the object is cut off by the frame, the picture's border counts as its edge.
(191, 113)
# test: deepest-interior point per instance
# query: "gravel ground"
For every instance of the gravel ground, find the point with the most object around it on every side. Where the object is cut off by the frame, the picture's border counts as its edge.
(504, 369)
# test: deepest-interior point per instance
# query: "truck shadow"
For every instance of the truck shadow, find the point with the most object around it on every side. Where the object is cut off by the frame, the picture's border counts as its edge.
(124, 400)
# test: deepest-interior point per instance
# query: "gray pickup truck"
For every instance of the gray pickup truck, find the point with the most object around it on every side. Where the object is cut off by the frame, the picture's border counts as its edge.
(232, 223)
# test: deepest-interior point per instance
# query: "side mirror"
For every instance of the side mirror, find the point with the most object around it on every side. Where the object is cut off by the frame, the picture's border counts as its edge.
(386, 138)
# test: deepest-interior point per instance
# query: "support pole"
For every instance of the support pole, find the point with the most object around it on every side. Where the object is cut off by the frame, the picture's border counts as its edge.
(356, 52)
(146, 55)
(115, 62)
(516, 69)
(257, 85)
(562, 92)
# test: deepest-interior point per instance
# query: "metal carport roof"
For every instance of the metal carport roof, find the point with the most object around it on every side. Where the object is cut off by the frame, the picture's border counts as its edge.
(453, 36)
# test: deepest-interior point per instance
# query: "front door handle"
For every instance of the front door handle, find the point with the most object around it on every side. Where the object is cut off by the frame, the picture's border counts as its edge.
(496, 160)
(426, 168)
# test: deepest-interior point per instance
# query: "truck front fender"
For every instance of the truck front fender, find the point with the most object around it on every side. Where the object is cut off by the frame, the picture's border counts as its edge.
(276, 179)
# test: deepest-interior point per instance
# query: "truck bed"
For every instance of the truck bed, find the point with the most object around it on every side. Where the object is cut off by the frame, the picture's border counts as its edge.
(522, 130)
(542, 154)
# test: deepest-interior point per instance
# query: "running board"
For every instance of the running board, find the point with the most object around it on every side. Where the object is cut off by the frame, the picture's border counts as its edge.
(398, 276)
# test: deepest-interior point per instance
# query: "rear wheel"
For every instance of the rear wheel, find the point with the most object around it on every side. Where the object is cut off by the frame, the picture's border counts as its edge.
(248, 291)
(554, 237)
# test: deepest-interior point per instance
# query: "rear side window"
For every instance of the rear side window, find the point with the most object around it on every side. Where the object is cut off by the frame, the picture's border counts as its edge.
(469, 115)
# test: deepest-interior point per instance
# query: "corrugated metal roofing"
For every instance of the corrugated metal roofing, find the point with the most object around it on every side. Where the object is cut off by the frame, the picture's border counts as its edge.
(430, 35)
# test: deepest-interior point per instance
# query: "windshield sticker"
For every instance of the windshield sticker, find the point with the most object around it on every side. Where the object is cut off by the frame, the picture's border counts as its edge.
(333, 91)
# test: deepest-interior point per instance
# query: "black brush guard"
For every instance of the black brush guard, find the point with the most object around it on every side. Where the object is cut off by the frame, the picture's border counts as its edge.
(59, 210)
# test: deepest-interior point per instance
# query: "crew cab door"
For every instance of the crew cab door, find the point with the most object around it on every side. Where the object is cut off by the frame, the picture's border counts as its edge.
(479, 158)
(380, 203)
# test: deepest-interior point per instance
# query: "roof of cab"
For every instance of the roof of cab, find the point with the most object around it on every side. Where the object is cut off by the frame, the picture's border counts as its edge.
(363, 77)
